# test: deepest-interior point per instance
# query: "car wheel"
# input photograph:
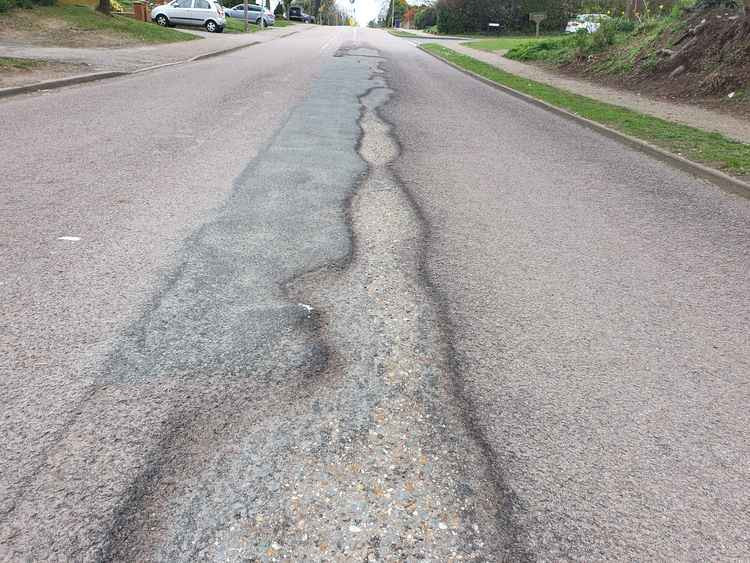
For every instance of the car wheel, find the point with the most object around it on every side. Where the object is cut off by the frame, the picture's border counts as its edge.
(162, 20)
(211, 26)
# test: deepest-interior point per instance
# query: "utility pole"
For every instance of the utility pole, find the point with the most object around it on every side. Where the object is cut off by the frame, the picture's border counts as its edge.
(246, 15)
(393, 12)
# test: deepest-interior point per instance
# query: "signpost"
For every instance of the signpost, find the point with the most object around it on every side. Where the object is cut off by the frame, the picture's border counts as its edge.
(537, 18)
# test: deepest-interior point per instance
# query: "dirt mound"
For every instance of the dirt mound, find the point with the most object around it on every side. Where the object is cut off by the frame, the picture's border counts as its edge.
(709, 56)
(703, 58)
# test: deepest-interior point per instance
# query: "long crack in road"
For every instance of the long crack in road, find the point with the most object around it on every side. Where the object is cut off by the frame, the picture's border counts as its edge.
(394, 322)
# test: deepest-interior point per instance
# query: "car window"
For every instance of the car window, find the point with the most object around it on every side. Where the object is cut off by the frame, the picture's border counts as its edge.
(202, 5)
(183, 3)
(254, 8)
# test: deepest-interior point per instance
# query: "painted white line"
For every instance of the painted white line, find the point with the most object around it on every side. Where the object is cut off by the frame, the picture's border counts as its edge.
(74, 239)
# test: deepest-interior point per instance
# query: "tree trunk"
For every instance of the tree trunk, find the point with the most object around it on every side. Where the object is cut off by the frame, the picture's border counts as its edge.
(632, 7)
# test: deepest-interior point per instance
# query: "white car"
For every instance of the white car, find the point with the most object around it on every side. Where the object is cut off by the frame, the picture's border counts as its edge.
(204, 13)
(587, 22)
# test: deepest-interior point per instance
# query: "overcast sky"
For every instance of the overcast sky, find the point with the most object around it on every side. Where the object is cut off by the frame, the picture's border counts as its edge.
(366, 10)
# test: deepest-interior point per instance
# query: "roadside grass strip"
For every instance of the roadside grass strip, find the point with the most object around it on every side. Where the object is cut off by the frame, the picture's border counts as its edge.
(399, 33)
(10, 63)
(86, 19)
(237, 25)
(506, 43)
(711, 149)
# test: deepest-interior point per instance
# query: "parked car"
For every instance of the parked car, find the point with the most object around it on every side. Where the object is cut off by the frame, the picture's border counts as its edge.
(587, 22)
(296, 13)
(255, 13)
(204, 13)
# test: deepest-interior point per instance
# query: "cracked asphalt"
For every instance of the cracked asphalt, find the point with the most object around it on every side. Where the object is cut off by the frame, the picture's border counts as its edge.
(330, 299)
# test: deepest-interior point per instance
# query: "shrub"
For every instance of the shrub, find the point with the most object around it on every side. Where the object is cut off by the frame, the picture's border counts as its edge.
(450, 18)
(552, 50)
(624, 25)
(581, 39)
(604, 36)
(426, 17)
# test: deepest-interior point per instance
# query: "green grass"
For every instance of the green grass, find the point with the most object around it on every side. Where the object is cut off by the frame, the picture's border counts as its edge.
(554, 49)
(9, 63)
(614, 55)
(697, 145)
(282, 23)
(87, 19)
(236, 25)
(400, 33)
(504, 43)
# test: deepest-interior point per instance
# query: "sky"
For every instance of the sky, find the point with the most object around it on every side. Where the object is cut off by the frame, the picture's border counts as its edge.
(365, 10)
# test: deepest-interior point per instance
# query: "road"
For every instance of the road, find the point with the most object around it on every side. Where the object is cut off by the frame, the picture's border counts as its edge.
(327, 298)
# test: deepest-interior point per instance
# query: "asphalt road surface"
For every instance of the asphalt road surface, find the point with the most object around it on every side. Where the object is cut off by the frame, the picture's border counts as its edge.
(327, 298)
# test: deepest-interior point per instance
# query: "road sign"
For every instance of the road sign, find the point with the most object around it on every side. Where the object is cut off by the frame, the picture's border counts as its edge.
(537, 18)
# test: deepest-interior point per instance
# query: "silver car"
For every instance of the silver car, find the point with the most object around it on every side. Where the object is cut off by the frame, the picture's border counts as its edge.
(205, 13)
(255, 14)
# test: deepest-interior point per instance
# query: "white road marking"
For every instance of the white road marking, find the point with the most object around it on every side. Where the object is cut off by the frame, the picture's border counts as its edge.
(74, 239)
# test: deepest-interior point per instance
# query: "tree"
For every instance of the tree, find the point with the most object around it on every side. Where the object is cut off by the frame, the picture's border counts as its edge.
(400, 7)
(409, 16)
(425, 17)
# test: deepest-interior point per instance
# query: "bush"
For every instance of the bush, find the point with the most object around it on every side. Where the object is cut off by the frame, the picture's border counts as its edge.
(426, 17)
(624, 25)
(604, 36)
(450, 19)
(553, 50)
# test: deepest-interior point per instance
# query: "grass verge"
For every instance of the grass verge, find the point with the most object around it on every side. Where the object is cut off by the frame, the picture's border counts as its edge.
(505, 43)
(236, 25)
(712, 149)
(86, 19)
(63, 21)
(10, 63)
(400, 33)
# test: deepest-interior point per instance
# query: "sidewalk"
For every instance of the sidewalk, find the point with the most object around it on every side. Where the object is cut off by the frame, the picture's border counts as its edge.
(129, 59)
(694, 116)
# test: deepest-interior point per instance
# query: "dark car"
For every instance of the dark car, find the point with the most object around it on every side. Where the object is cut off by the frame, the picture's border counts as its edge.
(296, 13)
